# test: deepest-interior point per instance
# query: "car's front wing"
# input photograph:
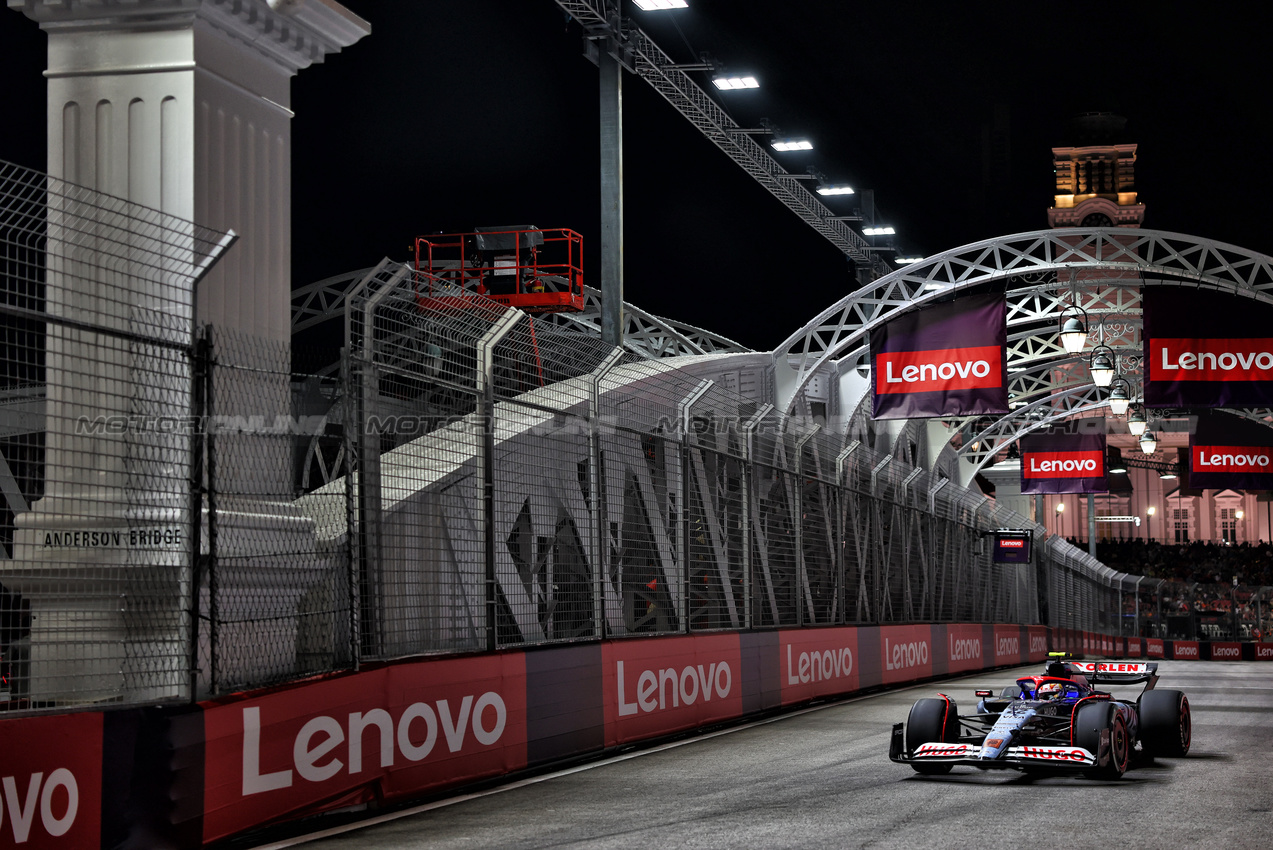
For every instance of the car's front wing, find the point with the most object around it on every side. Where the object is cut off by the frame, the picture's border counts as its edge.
(1025, 755)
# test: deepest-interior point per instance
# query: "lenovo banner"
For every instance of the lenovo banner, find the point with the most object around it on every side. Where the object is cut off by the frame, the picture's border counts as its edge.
(906, 653)
(1059, 462)
(945, 360)
(1207, 349)
(657, 687)
(817, 663)
(1228, 452)
(52, 784)
(394, 732)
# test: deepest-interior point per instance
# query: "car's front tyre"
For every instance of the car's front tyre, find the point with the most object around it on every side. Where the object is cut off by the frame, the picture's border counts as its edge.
(931, 721)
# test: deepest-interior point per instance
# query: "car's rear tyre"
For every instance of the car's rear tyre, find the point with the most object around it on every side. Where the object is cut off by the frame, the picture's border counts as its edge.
(1166, 725)
(931, 720)
(1089, 722)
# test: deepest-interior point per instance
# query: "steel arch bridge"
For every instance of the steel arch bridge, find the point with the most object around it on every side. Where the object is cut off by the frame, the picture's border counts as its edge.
(1103, 271)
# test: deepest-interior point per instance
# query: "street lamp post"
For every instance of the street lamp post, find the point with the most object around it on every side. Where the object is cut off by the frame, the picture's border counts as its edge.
(1060, 518)
(1151, 510)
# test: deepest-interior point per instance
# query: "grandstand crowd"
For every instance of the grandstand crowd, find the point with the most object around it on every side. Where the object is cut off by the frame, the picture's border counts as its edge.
(1209, 580)
(1194, 562)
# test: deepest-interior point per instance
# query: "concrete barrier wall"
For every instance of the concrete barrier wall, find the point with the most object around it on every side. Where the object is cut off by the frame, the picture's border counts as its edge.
(191, 775)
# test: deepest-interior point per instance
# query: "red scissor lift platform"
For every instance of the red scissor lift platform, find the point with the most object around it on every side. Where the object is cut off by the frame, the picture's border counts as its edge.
(536, 271)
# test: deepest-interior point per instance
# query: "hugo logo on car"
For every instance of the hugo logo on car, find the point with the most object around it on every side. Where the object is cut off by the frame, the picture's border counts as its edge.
(1073, 755)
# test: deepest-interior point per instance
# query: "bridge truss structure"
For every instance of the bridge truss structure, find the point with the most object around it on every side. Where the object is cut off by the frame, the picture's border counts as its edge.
(1103, 271)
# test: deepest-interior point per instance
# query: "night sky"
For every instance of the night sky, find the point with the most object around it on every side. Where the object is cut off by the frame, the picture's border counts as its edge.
(455, 114)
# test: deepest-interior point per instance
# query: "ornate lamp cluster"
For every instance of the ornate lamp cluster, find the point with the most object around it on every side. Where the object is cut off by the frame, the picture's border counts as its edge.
(1072, 327)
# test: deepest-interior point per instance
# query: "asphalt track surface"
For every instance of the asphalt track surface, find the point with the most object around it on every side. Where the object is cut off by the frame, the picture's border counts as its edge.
(821, 778)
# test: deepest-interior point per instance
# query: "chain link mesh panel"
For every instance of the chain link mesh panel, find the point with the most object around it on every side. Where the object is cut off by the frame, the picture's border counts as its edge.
(96, 304)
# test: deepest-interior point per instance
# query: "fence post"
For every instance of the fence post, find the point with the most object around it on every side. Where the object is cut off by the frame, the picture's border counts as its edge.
(749, 429)
(683, 410)
(842, 591)
(214, 614)
(802, 583)
(486, 456)
(199, 419)
(600, 553)
(360, 336)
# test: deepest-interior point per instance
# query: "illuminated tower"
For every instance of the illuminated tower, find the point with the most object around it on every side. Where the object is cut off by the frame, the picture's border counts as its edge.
(1096, 183)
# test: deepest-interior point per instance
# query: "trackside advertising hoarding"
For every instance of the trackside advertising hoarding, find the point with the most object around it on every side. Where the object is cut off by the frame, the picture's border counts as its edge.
(51, 781)
(942, 360)
(1205, 348)
(817, 662)
(1228, 452)
(172, 775)
(377, 734)
(906, 653)
(1063, 462)
(656, 687)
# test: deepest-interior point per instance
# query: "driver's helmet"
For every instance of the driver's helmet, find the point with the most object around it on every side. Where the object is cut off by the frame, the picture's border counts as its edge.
(1050, 690)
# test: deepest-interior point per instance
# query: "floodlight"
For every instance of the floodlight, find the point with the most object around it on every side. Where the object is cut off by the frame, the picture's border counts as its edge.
(658, 5)
(878, 231)
(835, 190)
(792, 145)
(730, 83)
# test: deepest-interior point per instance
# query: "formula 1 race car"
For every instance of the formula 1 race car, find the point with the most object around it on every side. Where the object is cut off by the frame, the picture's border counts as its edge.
(1055, 722)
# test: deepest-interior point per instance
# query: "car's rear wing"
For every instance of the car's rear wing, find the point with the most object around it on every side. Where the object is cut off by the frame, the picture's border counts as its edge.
(1116, 672)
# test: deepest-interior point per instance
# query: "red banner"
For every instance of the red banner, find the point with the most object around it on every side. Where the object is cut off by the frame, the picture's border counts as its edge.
(963, 648)
(1215, 359)
(906, 653)
(817, 663)
(1038, 643)
(1264, 652)
(1186, 650)
(52, 794)
(654, 687)
(1226, 652)
(395, 731)
(1153, 648)
(941, 370)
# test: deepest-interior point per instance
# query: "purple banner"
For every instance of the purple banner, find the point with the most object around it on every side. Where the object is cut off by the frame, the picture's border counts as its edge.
(1062, 462)
(945, 360)
(1226, 451)
(1205, 348)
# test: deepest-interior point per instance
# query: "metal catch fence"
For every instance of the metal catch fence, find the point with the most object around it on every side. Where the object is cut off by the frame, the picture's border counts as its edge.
(183, 516)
